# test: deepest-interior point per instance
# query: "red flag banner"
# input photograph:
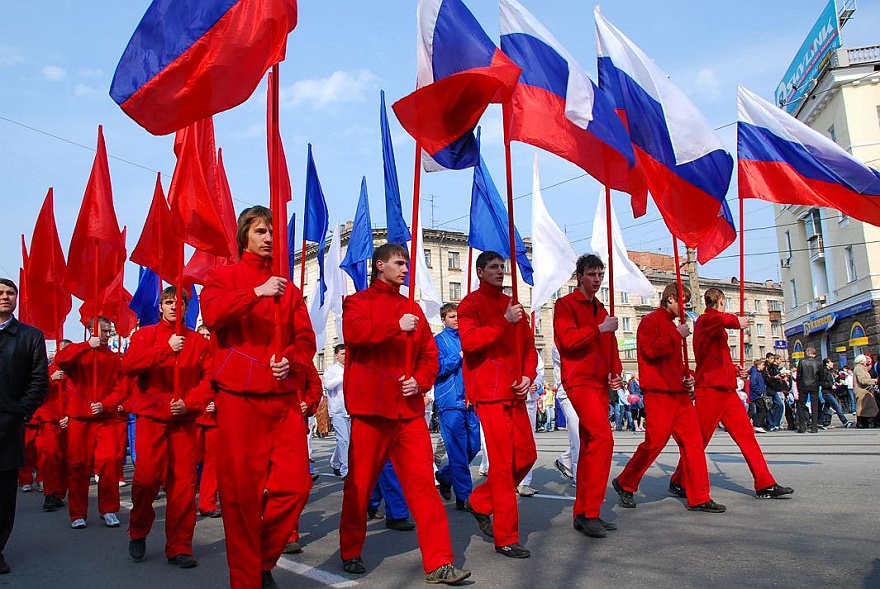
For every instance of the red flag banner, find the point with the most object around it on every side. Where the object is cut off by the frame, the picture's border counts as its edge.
(45, 274)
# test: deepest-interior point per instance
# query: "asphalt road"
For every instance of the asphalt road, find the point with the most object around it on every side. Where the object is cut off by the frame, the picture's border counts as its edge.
(824, 536)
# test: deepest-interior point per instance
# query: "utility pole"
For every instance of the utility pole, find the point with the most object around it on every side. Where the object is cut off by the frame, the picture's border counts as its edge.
(694, 281)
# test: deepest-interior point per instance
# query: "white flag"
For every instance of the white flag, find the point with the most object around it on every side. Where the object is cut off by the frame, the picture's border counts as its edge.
(627, 276)
(334, 278)
(430, 299)
(553, 258)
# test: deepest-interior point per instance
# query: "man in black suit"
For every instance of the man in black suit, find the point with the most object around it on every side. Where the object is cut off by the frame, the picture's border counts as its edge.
(24, 381)
(810, 371)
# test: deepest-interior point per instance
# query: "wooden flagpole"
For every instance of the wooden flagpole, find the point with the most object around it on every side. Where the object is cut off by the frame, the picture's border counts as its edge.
(413, 249)
(681, 316)
(279, 218)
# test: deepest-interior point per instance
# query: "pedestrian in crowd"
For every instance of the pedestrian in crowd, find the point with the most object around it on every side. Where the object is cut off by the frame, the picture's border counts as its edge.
(810, 373)
(260, 425)
(549, 399)
(168, 370)
(850, 388)
(391, 362)
(51, 438)
(667, 386)
(759, 401)
(206, 447)
(829, 398)
(95, 391)
(716, 397)
(566, 464)
(636, 402)
(583, 332)
(333, 377)
(865, 385)
(500, 365)
(459, 425)
(24, 382)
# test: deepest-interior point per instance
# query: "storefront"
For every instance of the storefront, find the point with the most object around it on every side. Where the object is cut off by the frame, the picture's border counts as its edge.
(840, 334)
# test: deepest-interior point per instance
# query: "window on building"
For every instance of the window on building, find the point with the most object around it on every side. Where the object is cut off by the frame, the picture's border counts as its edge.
(507, 266)
(762, 352)
(832, 134)
(757, 305)
(624, 297)
(775, 305)
(427, 257)
(748, 351)
(321, 362)
(842, 219)
(759, 329)
(794, 294)
(626, 323)
(774, 329)
(646, 300)
(629, 355)
(850, 262)
(788, 245)
(455, 291)
(571, 289)
(454, 260)
(603, 294)
(734, 352)
(507, 290)
(538, 324)
(813, 228)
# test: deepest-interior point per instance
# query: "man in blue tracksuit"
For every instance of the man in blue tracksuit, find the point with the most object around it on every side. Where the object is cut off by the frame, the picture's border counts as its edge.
(459, 425)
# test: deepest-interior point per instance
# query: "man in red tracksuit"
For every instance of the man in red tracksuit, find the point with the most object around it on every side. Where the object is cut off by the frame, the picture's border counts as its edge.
(260, 427)
(716, 398)
(584, 335)
(666, 386)
(206, 447)
(385, 399)
(500, 363)
(157, 360)
(94, 391)
(51, 439)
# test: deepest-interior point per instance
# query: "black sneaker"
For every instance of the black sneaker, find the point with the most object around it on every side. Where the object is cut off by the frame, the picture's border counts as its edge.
(513, 551)
(708, 507)
(400, 525)
(337, 472)
(49, 503)
(460, 505)
(444, 488)
(184, 561)
(607, 525)
(589, 526)
(483, 520)
(371, 515)
(447, 575)
(267, 581)
(59, 502)
(624, 498)
(564, 470)
(292, 548)
(355, 566)
(774, 492)
(137, 548)
(677, 490)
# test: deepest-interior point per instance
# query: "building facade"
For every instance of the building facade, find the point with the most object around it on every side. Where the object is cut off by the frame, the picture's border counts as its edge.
(830, 263)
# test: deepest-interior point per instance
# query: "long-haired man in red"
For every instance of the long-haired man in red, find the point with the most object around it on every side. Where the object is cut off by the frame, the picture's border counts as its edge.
(260, 426)
(667, 385)
(92, 439)
(590, 363)
(500, 364)
(165, 434)
(206, 448)
(51, 439)
(716, 398)
(385, 399)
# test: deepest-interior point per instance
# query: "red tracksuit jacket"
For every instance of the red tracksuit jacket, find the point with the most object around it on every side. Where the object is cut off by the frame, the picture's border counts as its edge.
(313, 390)
(376, 350)
(587, 355)
(243, 329)
(77, 360)
(487, 341)
(658, 345)
(150, 362)
(715, 368)
(52, 409)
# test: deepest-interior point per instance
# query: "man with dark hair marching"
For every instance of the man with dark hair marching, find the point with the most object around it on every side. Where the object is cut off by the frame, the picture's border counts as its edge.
(590, 363)
(165, 435)
(667, 385)
(260, 426)
(459, 426)
(385, 399)
(500, 363)
(24, 380)
(716, 398)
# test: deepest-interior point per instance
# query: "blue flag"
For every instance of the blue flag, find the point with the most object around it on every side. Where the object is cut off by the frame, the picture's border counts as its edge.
(489, 228)
(145, 300)
(291, 245)
(192, 309)
(316, 219)
(398, 232)
(360, 243)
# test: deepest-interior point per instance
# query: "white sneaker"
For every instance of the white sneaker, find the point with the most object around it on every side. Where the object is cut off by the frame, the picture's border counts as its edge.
(760, 430)
(26, 488)
(111, 520)
(122, 483)
(78, 524)
(525, 491)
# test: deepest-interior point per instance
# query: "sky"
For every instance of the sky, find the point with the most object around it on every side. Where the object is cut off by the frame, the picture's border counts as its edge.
(57, 59)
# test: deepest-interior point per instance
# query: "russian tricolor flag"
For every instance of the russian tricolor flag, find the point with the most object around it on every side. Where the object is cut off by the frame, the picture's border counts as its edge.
(460, 72)
(686, 166)
(558, 108)
(190, 59)
(782, 160)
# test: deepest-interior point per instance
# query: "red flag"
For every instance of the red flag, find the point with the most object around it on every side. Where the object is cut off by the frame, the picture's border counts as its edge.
(45, 274)
(193, 197)
(114, 307)
(279, 179)
(157, 248)
(97, 248)
(24, 314)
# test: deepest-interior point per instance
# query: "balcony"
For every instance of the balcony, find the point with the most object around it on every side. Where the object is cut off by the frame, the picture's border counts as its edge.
(775, 315)
(817, 248)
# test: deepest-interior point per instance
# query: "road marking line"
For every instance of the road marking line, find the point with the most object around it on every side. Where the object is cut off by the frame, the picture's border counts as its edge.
(329, 579)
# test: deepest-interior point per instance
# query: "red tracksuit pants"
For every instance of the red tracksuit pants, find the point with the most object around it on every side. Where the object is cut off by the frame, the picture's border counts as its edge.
(510, 445)
(51, 459)
(207, 456)
(715, 406)
(166, 454)
(31, 458)
(265, 474)
(92, 443)
(670, 415)
(596, 449)
(407, 442)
